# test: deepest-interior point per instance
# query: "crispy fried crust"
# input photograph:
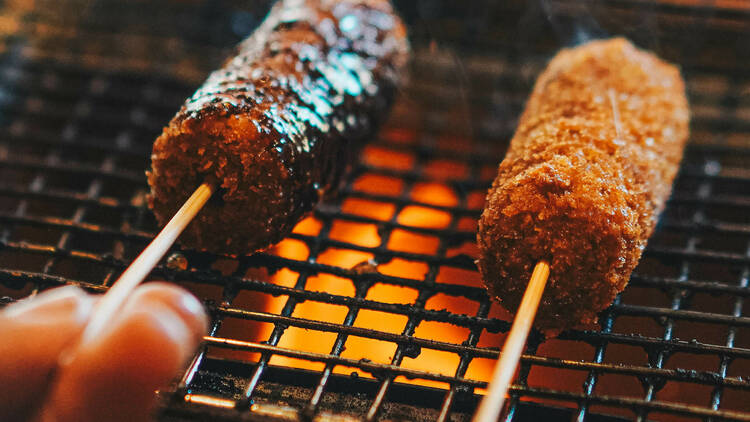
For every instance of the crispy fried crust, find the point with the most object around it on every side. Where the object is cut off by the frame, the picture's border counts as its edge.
(588, 172)
(276, 128)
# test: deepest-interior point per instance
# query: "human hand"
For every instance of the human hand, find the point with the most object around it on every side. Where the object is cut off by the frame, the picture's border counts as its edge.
(110, 378)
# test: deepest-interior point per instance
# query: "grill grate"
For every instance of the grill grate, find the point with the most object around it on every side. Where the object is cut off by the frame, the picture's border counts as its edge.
(373, 308)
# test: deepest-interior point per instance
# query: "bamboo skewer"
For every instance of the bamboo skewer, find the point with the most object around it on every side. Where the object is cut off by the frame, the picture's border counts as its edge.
(113, 300)
(492, 404)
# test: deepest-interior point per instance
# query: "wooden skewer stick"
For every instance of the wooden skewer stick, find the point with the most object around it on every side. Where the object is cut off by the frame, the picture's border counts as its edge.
(492, 404)
(113, 300)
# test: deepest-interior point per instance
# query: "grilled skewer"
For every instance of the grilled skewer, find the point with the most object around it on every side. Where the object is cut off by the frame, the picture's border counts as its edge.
(276, 129)
(270, 133)
(588, 172)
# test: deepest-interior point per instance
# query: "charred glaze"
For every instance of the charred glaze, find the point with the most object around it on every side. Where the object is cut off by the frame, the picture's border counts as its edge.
(588, 172)
(277, 127)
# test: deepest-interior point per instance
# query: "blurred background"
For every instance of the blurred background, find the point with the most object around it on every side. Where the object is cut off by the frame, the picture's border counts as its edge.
(373, 309)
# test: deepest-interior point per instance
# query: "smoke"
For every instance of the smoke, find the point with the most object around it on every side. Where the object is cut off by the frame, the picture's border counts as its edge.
(572, 21)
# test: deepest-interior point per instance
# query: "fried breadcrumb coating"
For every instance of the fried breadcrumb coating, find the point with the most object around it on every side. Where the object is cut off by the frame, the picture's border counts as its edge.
(588, 172)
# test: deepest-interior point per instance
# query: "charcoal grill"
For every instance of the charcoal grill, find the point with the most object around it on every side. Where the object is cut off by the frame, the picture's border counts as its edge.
(372, 309)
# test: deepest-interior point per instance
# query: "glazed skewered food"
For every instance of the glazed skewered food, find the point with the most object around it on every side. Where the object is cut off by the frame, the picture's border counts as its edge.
(587, 173)
(276, 128)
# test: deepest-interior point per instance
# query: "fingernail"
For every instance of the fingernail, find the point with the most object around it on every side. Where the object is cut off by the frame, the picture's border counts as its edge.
(178, 329)
(182, 303)
(190, 307)
(56, 303)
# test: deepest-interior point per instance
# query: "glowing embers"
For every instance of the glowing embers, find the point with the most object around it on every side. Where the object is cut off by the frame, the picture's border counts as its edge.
(380, 157)
(310, 340)
(291, 249)
(457, 305)
(376, 184)
(435, 194)
(375, 349)
(361, 234)
(409, 241)
(430, 360)
(388, 293)
(368, 208)
(357, 348)
(310, 226)
(343, 258)
(424, 217)
(237, 324)
(404, 268)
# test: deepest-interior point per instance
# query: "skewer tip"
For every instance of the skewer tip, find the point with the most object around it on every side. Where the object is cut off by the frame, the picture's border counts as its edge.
(492, 404)
(118, 294)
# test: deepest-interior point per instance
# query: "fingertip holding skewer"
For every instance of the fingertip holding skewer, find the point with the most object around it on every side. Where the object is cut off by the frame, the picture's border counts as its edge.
(492, 404)
(113, 300)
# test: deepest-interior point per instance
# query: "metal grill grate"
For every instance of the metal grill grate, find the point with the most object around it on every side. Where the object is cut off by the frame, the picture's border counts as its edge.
(373, 307)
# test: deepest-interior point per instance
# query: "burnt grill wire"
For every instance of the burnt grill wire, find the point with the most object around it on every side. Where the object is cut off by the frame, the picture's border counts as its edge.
(78, 122)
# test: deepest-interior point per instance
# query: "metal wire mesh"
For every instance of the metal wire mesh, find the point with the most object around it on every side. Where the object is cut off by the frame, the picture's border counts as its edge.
(372, 308)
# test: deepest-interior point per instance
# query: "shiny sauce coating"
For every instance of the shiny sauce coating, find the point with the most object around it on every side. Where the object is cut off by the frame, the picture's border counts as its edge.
(277, 128)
